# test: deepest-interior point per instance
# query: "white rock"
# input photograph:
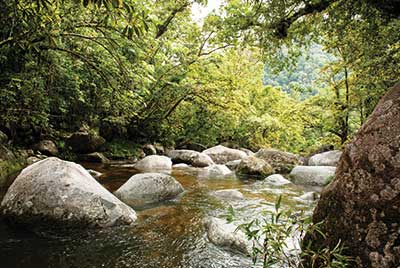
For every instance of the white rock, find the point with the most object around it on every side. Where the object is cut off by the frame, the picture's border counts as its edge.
(312, 175)
(277, 180)
(221, 154)
(308, 197)
(154, 163)
(182, 165)
(215, 171)
(190, 157)
(147, 188)
(231, 194)
(61, 194)
(330, 158)
(226, 235)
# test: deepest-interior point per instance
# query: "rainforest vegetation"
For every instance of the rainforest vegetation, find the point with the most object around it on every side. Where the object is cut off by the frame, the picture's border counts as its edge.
(285, 74)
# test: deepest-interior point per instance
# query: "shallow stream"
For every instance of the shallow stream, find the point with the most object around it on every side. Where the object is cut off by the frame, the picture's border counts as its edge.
(166, 235)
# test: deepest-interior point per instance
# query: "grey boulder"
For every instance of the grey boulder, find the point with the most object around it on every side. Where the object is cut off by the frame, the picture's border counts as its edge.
(254, 166)
(277, 180)
(215, 171)
(221, 154)
(230, 194)
(154, 163)
(282, 162)
(53, 193)
(148, 188)
(226, 235)
(190, 157)
(312, 175)
(330, 158)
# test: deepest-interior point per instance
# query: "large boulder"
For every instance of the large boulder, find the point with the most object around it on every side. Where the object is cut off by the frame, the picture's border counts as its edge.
(361, 207)
(56, 194)
(221, 154)
(189, 157)
(47, 147)
(84, 142)
(312, 175)
(215, 171)
(330, 158)
(226, 235)
(147, 188)
(154, 163)
(254, 166)
(282, 162)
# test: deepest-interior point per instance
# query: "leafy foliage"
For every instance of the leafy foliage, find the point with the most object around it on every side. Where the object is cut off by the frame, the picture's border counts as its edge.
(276, 239)
(145, 71)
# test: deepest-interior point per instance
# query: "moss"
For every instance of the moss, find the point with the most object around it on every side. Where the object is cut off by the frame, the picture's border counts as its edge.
(9, 168)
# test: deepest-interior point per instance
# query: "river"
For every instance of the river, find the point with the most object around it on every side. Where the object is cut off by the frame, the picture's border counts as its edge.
(167, 235)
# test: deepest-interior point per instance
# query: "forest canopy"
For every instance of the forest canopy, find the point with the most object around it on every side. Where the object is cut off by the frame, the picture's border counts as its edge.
(145, 71)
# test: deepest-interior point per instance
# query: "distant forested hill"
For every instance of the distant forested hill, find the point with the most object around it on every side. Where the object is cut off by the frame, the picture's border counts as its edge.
(303, 78)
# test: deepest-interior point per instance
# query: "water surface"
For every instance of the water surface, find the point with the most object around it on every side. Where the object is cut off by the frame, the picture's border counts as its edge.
(167, 235)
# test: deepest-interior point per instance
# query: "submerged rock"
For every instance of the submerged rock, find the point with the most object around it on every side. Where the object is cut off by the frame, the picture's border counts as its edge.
(312, 175)
(277, 180)
(147, 188)
(53, 194)
(154, 163)
(189, 157)
(221, 154)
(330, 158)
(254, 166)
(215, 171)
(231, 194)
(282, 162)
(361, 207)
(226, 235)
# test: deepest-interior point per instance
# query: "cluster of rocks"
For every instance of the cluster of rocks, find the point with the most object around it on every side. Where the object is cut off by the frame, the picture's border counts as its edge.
(53, 192)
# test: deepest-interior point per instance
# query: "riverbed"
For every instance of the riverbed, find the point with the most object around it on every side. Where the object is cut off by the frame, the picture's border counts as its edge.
(166, 235)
